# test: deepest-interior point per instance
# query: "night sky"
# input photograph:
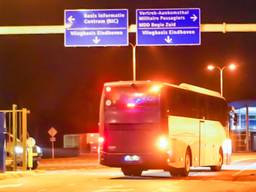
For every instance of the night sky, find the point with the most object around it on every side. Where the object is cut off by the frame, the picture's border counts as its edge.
(61, 86)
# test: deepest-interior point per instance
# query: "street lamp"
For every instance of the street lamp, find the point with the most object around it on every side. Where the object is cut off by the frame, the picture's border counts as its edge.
(231, 67)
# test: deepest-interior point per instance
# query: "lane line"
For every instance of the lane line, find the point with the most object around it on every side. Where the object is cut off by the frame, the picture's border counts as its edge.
(71, 184)
(42, 190)
(115, 188)
(244, 169)
(242, 160)
(11, 185)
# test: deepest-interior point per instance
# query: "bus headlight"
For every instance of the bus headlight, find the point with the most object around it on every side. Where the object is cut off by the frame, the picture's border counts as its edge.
(18, 149)
(163, 143)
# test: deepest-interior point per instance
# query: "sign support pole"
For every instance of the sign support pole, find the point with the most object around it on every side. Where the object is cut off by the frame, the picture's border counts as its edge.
(133, 62)
(53, 150)
(59, 29)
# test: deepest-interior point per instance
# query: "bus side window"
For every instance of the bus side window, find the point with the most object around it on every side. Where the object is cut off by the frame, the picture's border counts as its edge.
(213, 109)
(175, 102)
(165, 102)
(202, 108)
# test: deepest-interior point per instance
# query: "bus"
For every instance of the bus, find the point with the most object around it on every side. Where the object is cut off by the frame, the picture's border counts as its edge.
(156, 125)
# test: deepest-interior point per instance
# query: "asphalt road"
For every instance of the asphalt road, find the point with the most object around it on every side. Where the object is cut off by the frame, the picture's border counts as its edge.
(80, 175)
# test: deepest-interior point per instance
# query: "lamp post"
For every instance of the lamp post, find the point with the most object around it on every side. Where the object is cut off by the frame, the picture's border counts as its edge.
(231, 67)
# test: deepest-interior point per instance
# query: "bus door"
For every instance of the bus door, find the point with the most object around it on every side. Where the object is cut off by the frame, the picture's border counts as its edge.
(202, 142)
(207, 150)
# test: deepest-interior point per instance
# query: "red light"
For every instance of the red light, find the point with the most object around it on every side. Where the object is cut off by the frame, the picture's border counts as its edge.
(108, 102)
(131, 105)
(108, 89)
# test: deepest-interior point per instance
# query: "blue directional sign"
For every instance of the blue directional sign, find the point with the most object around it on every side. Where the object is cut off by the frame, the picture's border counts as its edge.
(90, 27)
(165, 27)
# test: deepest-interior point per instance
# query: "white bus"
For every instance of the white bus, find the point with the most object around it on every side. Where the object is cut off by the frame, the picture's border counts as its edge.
(154, 125)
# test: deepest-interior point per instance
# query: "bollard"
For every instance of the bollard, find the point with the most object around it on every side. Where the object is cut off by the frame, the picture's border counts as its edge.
(30, 158)
(30, 143)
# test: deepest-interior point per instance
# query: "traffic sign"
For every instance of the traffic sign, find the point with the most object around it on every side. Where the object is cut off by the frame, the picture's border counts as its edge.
(92, 27)
(52, 139)
(31, 142)
(165, 27)
(52, 131)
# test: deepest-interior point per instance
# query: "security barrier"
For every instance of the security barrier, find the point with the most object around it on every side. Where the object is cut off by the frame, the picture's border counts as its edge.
(15, 132)
(2, 148)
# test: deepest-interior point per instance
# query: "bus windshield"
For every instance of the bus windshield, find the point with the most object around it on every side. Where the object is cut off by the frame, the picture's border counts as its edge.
(131, 104)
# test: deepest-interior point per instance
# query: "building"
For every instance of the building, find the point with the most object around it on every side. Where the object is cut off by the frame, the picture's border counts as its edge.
(243, 125)
(87, 142)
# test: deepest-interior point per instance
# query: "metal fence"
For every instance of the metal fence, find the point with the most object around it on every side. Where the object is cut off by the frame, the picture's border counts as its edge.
(15, 130)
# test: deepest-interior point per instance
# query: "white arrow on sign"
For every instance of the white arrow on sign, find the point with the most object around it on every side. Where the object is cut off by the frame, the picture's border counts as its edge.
(194, 17)
(71, 20)
(96, 40)
(168, 39)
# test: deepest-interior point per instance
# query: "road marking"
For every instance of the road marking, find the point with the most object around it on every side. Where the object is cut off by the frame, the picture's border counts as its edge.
(242, 160)
(244, 169)
(115, 188)
(100, 172)
(11, 185)
(71, 184)
(42, 190)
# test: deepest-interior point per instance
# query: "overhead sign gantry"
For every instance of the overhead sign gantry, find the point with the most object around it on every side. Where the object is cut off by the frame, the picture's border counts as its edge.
(92, 27)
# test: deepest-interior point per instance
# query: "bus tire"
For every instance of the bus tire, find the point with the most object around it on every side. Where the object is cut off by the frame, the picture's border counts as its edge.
(175, 172)
(126, 171)
(185, 170)
(131, 171)
(220, 162)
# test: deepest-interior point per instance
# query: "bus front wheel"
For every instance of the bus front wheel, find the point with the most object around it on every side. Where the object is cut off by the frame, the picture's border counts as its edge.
(174, 172)
(185, 170)
(131, 171)
(219, 163)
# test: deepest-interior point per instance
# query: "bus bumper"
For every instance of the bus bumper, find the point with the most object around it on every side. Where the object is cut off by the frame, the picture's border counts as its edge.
(146, 161)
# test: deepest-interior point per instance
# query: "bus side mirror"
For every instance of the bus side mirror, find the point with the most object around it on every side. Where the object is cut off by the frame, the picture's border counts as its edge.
(235, 119)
